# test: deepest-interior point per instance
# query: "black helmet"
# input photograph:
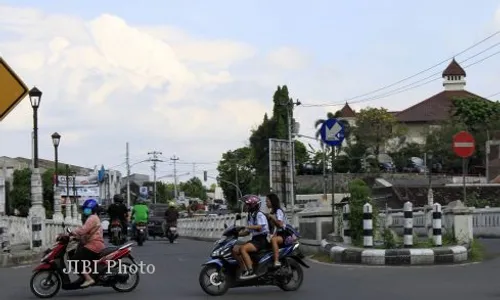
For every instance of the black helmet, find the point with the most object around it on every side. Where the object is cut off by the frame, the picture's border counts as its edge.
(118, 198)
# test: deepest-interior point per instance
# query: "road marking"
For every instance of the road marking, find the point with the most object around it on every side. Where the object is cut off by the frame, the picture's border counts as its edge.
(463, 145)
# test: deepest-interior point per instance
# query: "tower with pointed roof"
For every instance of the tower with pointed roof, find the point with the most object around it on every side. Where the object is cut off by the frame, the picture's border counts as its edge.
(454, 77)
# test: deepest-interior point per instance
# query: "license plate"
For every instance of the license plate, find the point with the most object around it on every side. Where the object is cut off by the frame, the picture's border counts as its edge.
(173, 228)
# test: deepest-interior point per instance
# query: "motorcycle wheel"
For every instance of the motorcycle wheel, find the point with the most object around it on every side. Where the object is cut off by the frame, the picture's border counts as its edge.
(117, 286)
(56, 282)
(140, 240)
(116, 239)
(210, 282)
(296, 269)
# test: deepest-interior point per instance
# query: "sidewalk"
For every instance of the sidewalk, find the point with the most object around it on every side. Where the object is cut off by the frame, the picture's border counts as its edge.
(19, 255)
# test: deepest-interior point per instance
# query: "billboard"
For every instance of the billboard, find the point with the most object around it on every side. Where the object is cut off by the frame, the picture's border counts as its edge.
(79, 180)
(280, 167)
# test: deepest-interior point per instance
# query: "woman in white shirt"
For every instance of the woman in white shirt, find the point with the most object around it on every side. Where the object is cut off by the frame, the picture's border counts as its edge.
(278, 219)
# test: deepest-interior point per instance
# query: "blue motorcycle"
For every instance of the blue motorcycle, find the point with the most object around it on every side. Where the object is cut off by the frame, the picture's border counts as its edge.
(222, 271)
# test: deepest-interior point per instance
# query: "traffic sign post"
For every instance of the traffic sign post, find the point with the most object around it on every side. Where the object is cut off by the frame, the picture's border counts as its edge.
(13, 89)
(332, 133)
(464, 146)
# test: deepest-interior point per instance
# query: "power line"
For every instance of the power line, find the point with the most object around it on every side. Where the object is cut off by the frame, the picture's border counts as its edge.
(428, 69)
(493, 95)
(414, 84)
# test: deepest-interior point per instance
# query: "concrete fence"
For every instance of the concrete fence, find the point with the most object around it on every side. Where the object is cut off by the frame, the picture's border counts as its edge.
(315, 224)
(17, 231)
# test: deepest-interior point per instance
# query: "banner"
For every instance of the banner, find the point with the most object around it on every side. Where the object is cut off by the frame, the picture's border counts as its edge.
(79, 180)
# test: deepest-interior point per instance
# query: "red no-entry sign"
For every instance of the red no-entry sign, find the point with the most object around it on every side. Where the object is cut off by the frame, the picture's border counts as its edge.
(464, 144)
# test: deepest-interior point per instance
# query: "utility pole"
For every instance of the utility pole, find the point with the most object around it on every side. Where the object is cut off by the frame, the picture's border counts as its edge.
(154, 159)
(127, 161)
(175, 159)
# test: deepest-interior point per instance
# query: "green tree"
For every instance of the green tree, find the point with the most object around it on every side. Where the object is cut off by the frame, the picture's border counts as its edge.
(359, 195)
(405, 152)
(194, 188)
(21, 191)
(301, 154)
(475, 115)
(236, 164)
(212, 188)
(274, 127)
(375, 127)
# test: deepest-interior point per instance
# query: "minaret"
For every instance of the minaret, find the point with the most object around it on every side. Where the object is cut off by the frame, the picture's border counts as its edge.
(454, 77)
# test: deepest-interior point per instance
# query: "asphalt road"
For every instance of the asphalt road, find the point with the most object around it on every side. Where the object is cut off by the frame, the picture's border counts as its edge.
(177, 267)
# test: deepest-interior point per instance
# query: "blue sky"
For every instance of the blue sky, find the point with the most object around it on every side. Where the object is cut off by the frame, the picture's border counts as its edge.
(349, 48)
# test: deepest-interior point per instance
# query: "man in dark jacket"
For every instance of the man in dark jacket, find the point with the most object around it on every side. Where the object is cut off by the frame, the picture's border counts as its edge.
(119, 211)
(171, 215)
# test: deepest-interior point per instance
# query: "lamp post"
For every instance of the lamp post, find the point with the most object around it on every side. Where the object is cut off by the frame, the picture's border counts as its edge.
(58, 216)
(37, 211)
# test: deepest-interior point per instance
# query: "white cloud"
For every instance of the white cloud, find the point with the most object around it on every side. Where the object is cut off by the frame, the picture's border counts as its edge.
(106, 82)
(287, 58)
(496, 18)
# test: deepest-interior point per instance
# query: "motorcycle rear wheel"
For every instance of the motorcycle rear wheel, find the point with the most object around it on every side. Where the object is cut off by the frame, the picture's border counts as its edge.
(296, 268)
(56, 281)
(208, 274)
(116, 286)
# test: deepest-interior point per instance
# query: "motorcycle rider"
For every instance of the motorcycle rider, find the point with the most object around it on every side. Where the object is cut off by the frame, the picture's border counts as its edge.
(92, 240)
(118, 211)
(258, 227)
(140, 213)
(171, 216)
(277, 218)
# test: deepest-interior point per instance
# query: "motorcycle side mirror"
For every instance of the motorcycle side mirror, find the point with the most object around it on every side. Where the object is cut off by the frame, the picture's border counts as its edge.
(225, 226)
(238, 217)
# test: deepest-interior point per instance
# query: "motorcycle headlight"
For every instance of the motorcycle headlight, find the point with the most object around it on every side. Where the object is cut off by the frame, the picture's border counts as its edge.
(216, 253)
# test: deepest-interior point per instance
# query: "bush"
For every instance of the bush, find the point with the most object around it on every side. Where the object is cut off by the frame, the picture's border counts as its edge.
(360, 194)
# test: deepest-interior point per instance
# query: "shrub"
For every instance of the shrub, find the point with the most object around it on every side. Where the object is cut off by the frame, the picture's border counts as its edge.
(359, 195)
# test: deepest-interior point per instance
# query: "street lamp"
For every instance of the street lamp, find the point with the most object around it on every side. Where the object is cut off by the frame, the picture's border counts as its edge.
(56, 138)
(37, 211)
(35, 98)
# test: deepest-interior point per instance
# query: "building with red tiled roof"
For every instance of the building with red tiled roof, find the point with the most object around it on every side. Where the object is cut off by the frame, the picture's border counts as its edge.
(437, 108)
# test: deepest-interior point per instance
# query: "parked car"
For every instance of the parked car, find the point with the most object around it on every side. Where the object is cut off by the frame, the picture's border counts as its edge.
(415, 165)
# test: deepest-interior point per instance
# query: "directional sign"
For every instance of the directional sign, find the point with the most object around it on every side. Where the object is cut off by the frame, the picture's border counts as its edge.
(464, 144)
(12, 89)
(332, 132)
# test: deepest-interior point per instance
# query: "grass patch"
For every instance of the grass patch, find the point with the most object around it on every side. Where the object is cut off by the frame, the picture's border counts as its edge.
(322, 257)
(477, 251)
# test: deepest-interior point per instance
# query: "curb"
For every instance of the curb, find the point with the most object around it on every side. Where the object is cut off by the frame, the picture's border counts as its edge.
(11, 260)
(396, 257)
